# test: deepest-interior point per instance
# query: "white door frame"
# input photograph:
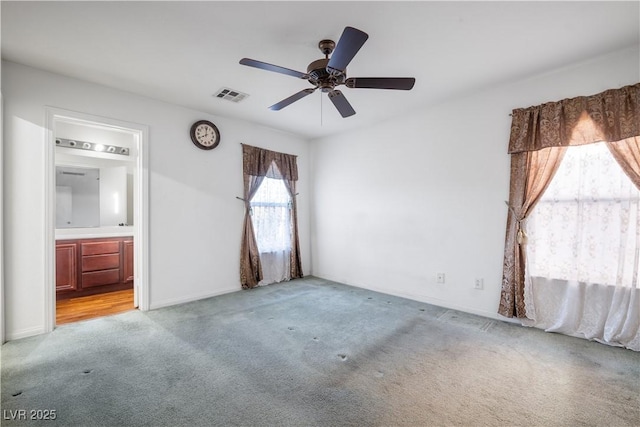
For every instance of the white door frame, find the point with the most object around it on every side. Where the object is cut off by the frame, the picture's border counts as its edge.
(2, 311)
(140, 212)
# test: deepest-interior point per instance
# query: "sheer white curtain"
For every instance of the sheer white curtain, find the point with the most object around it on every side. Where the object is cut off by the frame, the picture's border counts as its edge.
(271, 216)
(583, 251)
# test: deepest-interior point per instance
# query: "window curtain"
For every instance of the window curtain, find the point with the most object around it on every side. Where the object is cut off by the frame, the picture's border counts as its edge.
(582, 252)
(627, 154)
(250, 267)
(295, 263)
(537, 136)
(257, 164)
(531, 173)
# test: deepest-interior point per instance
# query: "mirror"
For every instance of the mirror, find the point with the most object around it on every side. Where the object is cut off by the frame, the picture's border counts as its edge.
(91, 197)
(77, 188)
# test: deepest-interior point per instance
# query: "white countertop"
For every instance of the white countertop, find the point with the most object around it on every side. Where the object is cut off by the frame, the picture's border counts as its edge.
(93, 232)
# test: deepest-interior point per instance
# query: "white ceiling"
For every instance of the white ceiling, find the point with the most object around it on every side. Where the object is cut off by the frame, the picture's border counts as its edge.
(183, 52)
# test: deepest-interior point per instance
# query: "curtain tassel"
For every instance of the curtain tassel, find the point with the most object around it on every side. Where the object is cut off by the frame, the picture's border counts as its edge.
(521, 237)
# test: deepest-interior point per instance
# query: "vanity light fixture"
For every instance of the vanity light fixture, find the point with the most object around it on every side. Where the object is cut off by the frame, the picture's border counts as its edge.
(92, 146)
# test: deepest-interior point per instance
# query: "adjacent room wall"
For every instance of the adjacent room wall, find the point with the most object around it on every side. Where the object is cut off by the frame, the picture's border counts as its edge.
(195, 218)
(399, 202)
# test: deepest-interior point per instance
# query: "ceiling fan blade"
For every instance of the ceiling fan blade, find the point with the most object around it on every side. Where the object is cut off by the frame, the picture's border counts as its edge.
(290, 100)
(348, 45)
(340, 102)
(271, 67)
(398, 83)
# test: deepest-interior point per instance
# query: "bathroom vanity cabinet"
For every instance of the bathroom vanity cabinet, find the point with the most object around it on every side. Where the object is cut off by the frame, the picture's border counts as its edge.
(92, 266)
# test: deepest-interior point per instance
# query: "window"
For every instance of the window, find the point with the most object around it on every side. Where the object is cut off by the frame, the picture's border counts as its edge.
(586, 226)
(271, 216)
(270, 251)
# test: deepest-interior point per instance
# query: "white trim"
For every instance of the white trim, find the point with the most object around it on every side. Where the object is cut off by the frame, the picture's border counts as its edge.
(176, 301)
(424, 299)
(25, 333)
(49, 223)
(2, 311)
(141, 204)
(141, 233)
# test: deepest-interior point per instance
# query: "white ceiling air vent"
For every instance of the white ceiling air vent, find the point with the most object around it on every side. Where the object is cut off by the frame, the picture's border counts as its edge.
(230, 94)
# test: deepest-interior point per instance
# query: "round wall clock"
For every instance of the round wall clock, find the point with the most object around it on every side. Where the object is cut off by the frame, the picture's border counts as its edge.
(205, 135)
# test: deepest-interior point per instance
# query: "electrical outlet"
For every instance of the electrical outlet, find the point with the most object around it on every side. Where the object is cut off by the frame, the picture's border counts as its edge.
(440, 278)
(479, 284)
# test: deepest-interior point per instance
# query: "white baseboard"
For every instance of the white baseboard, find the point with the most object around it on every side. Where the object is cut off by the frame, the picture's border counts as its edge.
(25, 333)
(422, 298)
(168, 303)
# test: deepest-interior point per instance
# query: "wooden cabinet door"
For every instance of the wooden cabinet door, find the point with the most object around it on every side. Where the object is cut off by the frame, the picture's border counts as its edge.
(127, 249)
(66, 267)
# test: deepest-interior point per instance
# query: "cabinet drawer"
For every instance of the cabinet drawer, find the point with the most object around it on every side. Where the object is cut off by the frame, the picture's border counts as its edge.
(98, 248)
(100, 262)
(99, 278)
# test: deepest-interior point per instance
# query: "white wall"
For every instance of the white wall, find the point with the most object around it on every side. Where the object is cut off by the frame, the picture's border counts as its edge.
(395, 204)
(195, 219)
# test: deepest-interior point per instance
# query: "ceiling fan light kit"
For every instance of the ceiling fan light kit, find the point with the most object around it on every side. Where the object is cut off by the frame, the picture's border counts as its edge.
(328, 73)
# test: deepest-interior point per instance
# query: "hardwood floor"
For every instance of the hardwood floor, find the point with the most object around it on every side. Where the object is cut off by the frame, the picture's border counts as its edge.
(83, 308)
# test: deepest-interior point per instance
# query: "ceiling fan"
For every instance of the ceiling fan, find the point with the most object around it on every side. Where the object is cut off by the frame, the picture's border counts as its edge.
(328, 73)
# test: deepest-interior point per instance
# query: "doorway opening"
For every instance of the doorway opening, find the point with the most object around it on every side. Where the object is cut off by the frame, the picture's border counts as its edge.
(97, 217)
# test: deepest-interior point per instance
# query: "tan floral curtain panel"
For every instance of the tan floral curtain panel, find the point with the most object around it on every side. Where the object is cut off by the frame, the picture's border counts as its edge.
(250, 267)
(539, 136)
(257, 164)
(627, 154)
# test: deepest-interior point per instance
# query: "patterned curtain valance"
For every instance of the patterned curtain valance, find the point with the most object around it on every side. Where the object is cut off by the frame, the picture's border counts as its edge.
(258, 162)
(610, 116)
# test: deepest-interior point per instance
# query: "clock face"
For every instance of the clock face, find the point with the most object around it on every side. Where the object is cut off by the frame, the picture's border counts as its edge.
(205, 135)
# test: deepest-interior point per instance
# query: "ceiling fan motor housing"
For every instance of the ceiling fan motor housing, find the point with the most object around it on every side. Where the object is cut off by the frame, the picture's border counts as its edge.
(321, 78)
